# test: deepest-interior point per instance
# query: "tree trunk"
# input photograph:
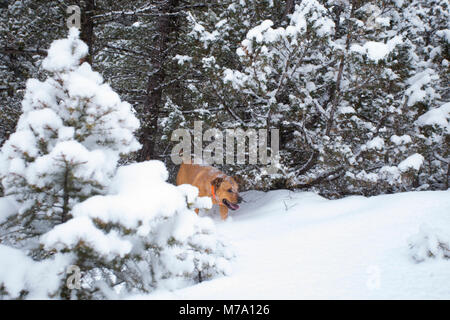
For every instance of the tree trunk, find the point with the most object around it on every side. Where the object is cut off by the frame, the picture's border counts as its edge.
(165, 27)
(87, 27)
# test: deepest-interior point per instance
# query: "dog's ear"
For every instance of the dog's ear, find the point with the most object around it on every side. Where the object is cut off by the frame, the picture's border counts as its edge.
(217, 182)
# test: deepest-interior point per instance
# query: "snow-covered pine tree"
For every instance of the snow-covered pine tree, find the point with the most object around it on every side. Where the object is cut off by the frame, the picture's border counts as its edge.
(72, 132)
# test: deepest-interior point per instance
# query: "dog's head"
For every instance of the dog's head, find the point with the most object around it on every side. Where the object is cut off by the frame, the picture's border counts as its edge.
(227, 192)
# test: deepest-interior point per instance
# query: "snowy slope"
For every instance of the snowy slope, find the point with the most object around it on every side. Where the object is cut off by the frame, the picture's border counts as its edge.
(301, 246)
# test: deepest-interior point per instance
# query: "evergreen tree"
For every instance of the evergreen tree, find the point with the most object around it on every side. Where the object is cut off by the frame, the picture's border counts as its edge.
(69, 138)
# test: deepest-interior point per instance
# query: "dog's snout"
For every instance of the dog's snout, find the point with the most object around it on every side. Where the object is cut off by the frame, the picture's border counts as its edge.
(239, 199)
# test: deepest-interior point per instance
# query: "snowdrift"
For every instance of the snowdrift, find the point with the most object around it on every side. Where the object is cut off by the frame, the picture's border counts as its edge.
(302, 246)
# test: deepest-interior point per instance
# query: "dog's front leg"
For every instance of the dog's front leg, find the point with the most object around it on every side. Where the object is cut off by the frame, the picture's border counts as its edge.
(223, 212)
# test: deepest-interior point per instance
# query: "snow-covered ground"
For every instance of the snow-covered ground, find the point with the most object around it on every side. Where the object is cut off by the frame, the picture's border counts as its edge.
(301, 246)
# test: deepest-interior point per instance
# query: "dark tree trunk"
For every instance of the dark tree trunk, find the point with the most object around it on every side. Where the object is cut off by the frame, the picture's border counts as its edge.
(165, 25)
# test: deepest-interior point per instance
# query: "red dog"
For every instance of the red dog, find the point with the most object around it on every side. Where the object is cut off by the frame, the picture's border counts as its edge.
(212, 183)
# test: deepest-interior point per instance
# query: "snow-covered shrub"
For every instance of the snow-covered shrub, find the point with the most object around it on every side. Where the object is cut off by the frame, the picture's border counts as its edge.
(430, 243)
(140, 236)
(69, 138)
